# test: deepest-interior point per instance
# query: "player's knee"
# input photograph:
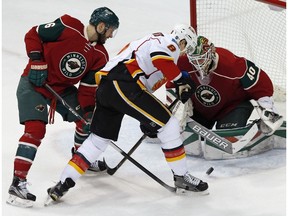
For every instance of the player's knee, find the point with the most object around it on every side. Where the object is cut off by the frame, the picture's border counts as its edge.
(36, 129)
(169, 134)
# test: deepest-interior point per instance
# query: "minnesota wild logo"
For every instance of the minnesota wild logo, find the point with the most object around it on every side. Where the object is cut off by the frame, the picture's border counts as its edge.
(73, 65)
(207, 95)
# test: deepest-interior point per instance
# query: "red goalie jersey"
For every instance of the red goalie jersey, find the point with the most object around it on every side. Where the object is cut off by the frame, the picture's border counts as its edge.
(234, 80)
(71, 58)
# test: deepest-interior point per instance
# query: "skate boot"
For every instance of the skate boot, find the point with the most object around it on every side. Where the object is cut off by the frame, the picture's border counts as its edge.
(98, 166)
(60, 189)
(189, 183)
(19, 194)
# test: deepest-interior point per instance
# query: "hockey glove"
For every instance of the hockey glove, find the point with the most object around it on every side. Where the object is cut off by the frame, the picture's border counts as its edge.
(185, 87)
(270, 119)
(148, 132)
(270, 122)
(38, 73)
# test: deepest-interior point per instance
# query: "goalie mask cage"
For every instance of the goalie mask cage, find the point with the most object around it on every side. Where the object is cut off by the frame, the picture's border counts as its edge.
(253, 29)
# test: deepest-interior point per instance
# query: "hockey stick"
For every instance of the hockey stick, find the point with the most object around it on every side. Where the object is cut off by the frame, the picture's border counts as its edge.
(221, 142)
(111, 171)
(117, 148)
(65, 104)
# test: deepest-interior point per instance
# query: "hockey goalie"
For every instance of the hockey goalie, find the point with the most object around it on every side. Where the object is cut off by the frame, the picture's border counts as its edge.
(232, 94)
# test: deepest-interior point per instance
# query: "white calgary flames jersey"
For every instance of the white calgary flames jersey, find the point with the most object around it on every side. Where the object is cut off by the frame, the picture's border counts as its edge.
(152, 59)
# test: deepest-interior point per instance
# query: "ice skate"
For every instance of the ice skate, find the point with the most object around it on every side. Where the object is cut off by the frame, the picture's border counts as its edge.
(57, 191)
(19, 194)
(189, 183)
(98, 166)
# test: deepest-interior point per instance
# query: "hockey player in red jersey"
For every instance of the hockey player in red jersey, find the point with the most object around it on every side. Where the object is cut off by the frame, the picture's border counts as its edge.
(127, 82)
(225, 84)
(61, 54)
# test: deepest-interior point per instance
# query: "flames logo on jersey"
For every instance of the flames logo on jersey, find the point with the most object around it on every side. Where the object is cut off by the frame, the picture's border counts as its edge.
(158, 84)
(73, 65)
(207, 95)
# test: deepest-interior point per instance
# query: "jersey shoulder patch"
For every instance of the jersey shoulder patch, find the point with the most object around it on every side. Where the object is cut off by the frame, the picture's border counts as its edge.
(171, 47)
(251, 75)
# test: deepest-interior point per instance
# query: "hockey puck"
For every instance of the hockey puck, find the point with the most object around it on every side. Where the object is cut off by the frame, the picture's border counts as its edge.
(210, 170)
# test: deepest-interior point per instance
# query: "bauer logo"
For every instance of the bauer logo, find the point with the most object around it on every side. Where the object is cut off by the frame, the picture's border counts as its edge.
(73, 65)
(207, 95)
(210, 137)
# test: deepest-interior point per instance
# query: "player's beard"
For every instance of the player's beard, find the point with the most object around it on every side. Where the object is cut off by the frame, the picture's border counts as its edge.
(101, 39)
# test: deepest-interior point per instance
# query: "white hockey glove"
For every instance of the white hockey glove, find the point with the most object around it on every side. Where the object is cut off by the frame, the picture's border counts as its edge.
(270, 119)
(181, 111)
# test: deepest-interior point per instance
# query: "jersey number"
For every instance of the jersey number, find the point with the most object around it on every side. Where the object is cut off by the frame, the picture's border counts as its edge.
(251, 73)
(49, 25)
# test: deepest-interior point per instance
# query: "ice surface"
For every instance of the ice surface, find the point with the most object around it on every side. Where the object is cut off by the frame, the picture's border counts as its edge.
(254, 186)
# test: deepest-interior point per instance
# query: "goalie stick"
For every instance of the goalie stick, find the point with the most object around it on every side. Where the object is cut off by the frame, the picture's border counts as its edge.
(111, 171)
(222, 143)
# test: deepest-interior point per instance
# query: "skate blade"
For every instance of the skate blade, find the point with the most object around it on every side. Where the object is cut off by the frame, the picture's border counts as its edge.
(181, 191)
(49, 201)
(17, 201)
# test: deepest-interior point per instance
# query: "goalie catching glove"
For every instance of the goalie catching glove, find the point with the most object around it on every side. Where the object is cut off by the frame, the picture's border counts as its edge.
(270, 119)
(185, 87)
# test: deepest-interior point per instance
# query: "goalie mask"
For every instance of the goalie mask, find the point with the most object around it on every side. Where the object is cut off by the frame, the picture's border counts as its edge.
(203, 56)
(185, 34)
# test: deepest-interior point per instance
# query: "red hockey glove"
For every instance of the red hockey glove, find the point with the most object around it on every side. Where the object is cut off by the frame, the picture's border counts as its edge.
(38, 73)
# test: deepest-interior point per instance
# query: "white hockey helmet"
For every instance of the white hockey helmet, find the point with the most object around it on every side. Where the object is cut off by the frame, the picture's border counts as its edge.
(203, 56)
(187, 33)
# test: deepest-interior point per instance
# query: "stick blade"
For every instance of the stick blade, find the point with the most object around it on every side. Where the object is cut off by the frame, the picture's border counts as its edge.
(237, 146)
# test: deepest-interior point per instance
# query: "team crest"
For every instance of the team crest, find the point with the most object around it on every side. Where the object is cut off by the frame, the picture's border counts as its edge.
(207, 95)
(40, 108)
(72, 65)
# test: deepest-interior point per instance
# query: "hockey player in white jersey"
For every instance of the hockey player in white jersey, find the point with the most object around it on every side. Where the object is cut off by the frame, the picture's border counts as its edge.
(126, 86)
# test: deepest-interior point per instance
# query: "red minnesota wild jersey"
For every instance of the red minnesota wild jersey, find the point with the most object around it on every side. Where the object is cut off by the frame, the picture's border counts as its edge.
(234, 80)
(70, 56)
